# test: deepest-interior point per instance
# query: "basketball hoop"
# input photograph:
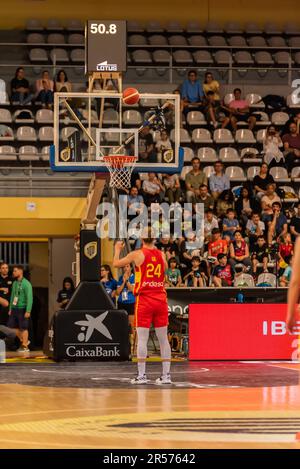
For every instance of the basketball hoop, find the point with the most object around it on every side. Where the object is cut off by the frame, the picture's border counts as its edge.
(120, 168)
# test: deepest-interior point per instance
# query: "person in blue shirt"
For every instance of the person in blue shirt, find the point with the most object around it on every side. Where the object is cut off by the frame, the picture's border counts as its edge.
(230, 224)
(218, 181)
(126, 299)
(109, 283)
(191, 93)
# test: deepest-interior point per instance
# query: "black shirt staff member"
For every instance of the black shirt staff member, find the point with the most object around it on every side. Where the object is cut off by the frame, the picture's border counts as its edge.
(5, 289)
(66, 293)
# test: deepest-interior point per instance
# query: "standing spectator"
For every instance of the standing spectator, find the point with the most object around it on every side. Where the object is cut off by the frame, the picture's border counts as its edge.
(191, 92)
(163, 143)
(260, 255)
(255, 228)
(230, 224)
(295, 223)
(219, 181)
(196, 277)
(210, 222)
(222, 274)
(173, 274)
(213, 110)
(62, 83)
(66, 293)
(277, 223)
(267, 201)
(193, 180)
(45, 90)
(239, 251)
(172, 187)
(20, 307)
(20, 88)
(217, 244)
(211, 85)
(291, 145)
(5, 292)
(109, 283)
(271, 147)
(261, 181)
(151, 189)
(245, 205)
(224, 202)
(205, 198)
(124, 291)
(240, 111)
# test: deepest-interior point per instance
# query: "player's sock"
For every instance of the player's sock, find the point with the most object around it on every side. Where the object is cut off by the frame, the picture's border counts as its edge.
(142, 341)
(165, 349)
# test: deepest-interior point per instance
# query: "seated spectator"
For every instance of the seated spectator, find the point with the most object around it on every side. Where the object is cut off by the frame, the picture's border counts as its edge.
(277, 223)
(240, 111)
(108, 281)
(45, 90)
(219, 181)
(205, 198)
(285, 249)
(291, 145)
(284, 281)
(261, 181)
(224, 202)
(245, 205)
(230, 225)
(162, 144)
(267, 201)
(295, 224)
(222, 274)
(217, 244)
(255, 228)
(66, 293)
(210, 222)
(147, 152)
(260, 255)
(196, 277)
(239, 251)
(62, 83)
(151, 189)
(172, 188)
(271, 147)
(20, 88)
(193, 180)
(191, 93)
(213, 111)
(135, 202)
(211, 85)
(168, 247)
(173, 274)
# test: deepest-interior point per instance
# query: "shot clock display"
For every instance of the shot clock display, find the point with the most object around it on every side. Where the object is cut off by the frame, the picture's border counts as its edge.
(106, 46)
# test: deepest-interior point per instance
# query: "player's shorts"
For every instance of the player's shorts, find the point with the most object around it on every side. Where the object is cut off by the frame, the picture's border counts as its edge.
(16, 319)
(151, 310)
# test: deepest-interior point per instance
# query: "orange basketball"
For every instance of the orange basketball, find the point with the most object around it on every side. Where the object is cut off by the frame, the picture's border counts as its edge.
(131, 96)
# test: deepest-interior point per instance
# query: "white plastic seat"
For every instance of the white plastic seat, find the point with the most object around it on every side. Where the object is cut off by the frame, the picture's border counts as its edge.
(217, 41)
(261, 135)
(207, 154)
(35, 38)
(244, 136)
(228, 98)
(252, 172)
(208, 171)
(279, 174)
(77, 55)
(243, 58)
(141, 56)
(111, 137)
(6, 133)
(26, 133)
(158, 40)
(235, 173)
(195, 118)
(294, 41)
(132, 117)
(177, 40)
(66, 132)
(56, 38)
(255, 101)
(45, 153)
(264, 119)
(223, 57)
(27, 120)
(110, 117)
(184, 136)
(295, 174)
(44, 116)
(184, 171)
(188, 154)
(161, 56)
(5, 116)
(276, 41)
(182, 57)
(33, 24)
(38, 55)
(7, 153)
(290, 189)
(292, 100)
(245, 280)
(149, 102)
(197, 40)
(28, 153)
(137, 40)
(3, 95)
(54, 24)
(267, 277)
(223, 136)
(201, 136)
(76, 38)
(46, 134)
(251, 150)
(228, 155)
(59, 55)
(279, 118)
(203, 57)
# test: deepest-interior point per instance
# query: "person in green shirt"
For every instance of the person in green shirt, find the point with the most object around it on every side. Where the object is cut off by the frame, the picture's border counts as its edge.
(20, 307)
(173, 274)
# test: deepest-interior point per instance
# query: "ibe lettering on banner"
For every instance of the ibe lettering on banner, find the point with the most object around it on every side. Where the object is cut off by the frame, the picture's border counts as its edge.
(2, 352)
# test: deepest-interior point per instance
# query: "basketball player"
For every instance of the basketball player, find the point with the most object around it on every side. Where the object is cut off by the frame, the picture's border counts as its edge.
(151, 303)
(293, 292)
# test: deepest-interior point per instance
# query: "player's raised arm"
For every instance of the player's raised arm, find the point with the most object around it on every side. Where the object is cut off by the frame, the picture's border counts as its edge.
(135, 256)
(293, 292)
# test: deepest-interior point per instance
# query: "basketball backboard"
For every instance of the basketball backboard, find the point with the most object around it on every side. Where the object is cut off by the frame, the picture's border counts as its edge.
(88, 126)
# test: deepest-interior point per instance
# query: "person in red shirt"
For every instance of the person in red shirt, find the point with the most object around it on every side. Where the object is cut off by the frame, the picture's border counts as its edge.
(217, 245)
(151, 303)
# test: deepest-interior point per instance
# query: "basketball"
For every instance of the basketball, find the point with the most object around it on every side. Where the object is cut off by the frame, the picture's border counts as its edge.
(131, 96)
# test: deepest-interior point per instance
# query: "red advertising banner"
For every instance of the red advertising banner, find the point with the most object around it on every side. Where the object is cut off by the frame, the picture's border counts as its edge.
(240, 332)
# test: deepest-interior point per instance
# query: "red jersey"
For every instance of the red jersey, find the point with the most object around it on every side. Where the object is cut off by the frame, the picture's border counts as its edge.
(150, 275)
(217, 247)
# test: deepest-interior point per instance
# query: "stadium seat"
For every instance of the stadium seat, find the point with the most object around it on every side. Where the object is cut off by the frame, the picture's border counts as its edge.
(217, 41)
(111, 137)
(26, 133)
(134, 27)
(161, 56)
(6, 133)
(289, 190)
(201, 136)
(235, 173)
(188, 154)
(76, 38)
(237, 41)
(272, 28)
(141, 56)
(196, 118)
(197, 40)
(184, 171)
(295, 174)
(27, 120)
(46, 134)
(203, 57)
(174, 27)
(207, 155)
(208, 171)
(184, 136)
(137, 40)
(252, 172)
(177, 40)
(56, 38)
(279, 174)
(229, 155)
(222, 136)
(250, 151)
(294, 41)
(33, 24)
(35, 38)
(53, 24)
(28, 153)
(233, 27)
(38, 55)
(244, 280)
(132, 117)
(261, 135)
(154, 27)
(266, 278)
(276, 41)
(45, 153)
(263, 58)
(291, 29)
(223, 57)
(59, 55)
(257, 41)
(111, 117)
(5, 116)
(92, 132)
(158, 40)
(228, 98)
(252, 28)
(283, 58)
(44, 116)
(182, 57)
(213, 27)
(77, 55)
(255, 101)
(243, 58)
(244, 136)
(279, 118)
(7, 153)
(74, 25)
(297, 58)
(194, 26)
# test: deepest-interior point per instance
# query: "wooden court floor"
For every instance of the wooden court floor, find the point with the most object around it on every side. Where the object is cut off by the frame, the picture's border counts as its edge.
(210, 405)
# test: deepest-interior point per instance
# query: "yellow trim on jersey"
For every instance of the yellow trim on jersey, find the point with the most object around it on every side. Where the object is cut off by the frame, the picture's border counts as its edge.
(138, 279)
(136, 311)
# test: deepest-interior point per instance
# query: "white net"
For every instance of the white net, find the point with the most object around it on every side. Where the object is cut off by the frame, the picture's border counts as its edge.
(120, 168)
